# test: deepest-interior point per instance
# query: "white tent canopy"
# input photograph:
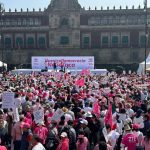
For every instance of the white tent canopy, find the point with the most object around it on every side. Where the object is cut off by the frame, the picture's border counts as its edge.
(141, 68)
(1, 64)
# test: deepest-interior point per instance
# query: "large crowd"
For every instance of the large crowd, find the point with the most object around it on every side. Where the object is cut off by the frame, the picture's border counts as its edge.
(80, 111)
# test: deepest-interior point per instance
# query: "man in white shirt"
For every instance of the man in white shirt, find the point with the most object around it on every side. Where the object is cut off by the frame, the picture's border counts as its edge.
(36, 143)
(129, 111)
(111, 136)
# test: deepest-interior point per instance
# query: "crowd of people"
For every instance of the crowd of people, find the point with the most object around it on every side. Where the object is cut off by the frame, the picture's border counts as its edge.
(80, 111)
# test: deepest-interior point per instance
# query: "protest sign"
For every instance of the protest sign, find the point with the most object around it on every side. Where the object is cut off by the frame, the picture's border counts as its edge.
(124, 72)
(8, 100)
(5, 83)
(17, 102)
(38, 115)
(58, 113)
(129, 71)
(96, 84)
(15, 114)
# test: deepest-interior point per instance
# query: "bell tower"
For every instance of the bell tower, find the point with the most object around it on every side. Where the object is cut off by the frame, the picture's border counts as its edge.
(64, 23)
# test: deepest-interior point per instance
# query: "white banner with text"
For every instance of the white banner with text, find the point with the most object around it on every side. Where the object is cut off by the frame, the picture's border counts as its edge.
(71, 63)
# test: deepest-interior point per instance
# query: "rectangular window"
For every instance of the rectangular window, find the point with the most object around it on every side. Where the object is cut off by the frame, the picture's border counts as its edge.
(7, 42)
(125, 41)
(86, 40)
(105, 41)
(64, 40)
(41, 42)
(114, 41)
(142, 40)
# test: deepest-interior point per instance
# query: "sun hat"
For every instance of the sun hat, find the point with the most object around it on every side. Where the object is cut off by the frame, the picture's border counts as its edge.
(127, 127)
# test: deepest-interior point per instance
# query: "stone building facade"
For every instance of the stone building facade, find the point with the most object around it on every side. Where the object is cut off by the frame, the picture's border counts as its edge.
(114, 37)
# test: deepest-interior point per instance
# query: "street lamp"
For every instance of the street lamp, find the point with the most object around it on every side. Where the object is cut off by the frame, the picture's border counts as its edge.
(1, 14)
(146, 30)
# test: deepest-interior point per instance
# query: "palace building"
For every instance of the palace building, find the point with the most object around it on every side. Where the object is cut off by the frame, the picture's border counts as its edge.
(113, 36)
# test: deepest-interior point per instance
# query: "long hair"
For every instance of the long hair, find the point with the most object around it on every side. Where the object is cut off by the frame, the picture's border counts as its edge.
(147, 137)
(102, 146)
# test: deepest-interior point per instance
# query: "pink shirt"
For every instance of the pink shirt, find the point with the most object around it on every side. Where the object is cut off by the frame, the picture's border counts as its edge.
(3, 148)
(17, 132)
(83, 145)
(42, 132)
(146, 144)
(130, 140)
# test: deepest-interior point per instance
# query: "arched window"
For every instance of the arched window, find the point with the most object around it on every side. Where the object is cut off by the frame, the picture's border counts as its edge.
(8, 42)
(19, 42)
(41, 42)
(30, 42)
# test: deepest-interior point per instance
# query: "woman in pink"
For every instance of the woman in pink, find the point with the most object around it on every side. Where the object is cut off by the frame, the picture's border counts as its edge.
(146, 141)
(82, 142)
(42, 132)
(28, 118)
(64, 143)
(17, 133)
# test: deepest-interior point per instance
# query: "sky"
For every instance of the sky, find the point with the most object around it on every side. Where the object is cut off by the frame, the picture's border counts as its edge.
(18, 4)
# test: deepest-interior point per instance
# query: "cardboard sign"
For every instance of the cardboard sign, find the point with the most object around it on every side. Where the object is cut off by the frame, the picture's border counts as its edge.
(58, 113)
(38, 116)
(8, 100)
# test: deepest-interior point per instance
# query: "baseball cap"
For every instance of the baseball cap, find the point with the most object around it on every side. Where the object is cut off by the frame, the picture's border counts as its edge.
(63, 134)
(135, 126)
(83, 121)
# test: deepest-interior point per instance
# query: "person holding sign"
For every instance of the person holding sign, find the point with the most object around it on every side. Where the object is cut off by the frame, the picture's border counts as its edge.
(17, 133)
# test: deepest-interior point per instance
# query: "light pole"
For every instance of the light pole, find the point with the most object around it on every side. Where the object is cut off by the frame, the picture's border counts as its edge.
(146, 30)
(1, 13)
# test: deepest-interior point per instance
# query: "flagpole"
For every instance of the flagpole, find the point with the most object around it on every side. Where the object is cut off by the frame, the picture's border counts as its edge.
(1, 13)
(146, 30)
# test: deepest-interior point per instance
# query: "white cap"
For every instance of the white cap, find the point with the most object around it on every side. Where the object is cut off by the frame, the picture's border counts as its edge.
(63, 134)
(83, 121)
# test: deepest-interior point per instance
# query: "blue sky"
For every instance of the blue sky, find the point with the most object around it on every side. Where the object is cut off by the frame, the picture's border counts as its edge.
(86, 3)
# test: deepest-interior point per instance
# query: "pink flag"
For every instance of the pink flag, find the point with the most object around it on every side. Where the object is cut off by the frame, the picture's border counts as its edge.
(85, 72)
(80, 82)
(108, 118)
(96, 109)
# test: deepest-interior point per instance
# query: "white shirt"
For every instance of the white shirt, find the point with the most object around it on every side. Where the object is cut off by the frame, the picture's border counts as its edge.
(130, 112)
(39, 146)
(139, 121)
(87, 109)
(112, 137)
(122, 117)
